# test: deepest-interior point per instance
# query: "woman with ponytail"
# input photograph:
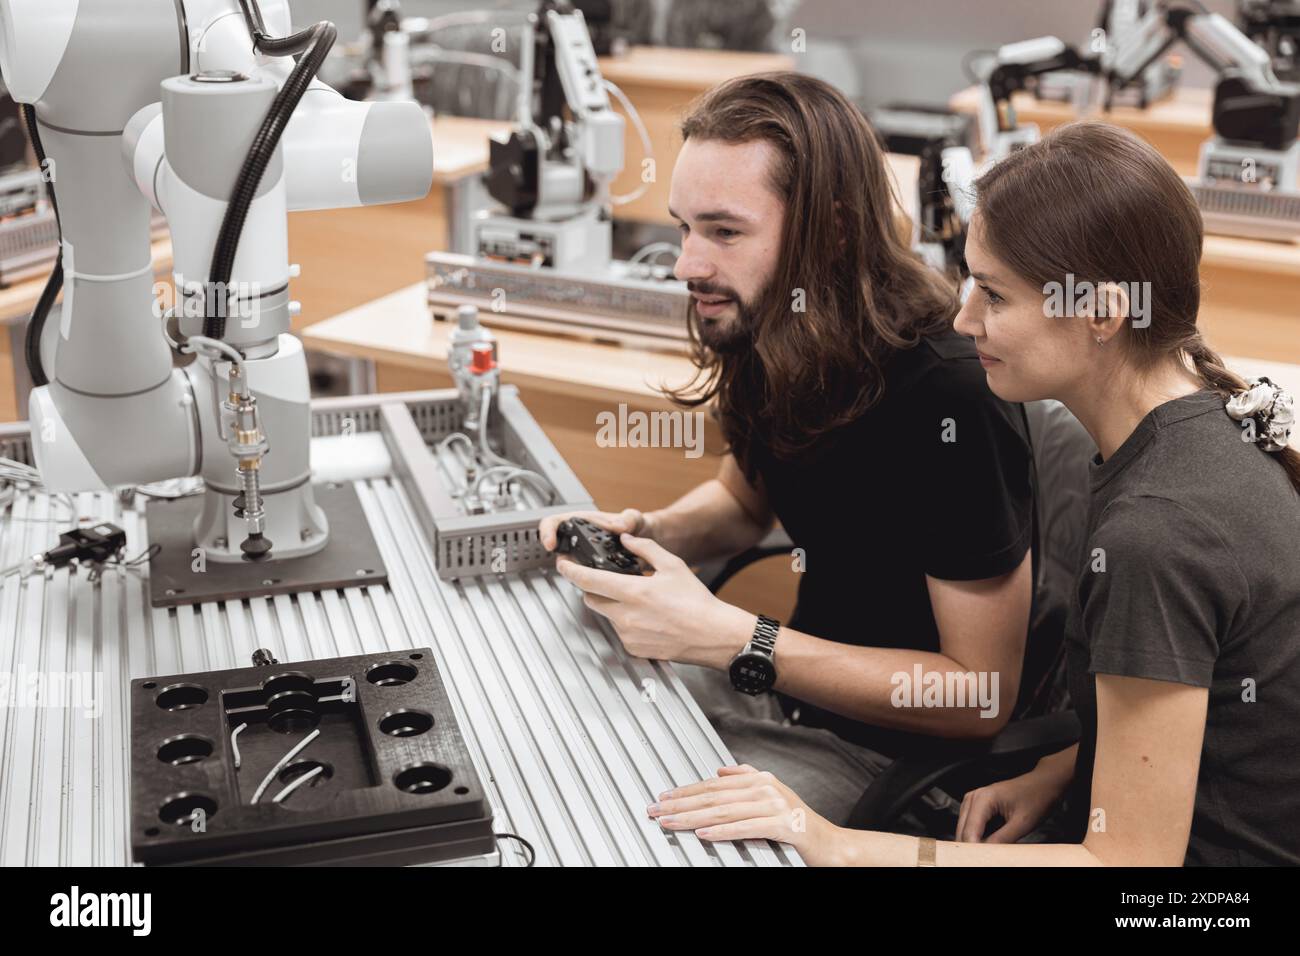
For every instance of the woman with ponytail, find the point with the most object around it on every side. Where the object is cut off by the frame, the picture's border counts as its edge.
(1184, 636)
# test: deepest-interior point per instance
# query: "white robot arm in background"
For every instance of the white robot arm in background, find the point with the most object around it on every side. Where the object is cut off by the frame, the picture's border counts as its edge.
(553, 173)
(1013, 66)
(1212, 37)
(194, 107)
(1254, 116)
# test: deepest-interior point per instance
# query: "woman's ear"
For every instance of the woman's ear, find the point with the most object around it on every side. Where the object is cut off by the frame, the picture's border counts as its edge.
(1110, 312)
(1113, 297)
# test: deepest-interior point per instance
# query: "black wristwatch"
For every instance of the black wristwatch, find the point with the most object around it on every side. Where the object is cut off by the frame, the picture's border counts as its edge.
(753, 670)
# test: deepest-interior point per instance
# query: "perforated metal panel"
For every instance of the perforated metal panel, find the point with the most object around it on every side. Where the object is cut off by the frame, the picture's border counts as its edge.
(1248, 212)
(413, 423)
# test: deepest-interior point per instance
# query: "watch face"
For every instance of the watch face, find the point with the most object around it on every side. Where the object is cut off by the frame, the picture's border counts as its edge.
(752, 673)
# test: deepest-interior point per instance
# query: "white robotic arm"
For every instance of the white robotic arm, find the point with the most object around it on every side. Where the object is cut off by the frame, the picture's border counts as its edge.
(600, 137)
(1211, 36)
(1013, 66)
(115, 411)
(1248, 171)
(553, 175)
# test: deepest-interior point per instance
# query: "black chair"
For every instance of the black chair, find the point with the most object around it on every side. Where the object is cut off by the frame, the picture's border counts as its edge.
(1042, 723)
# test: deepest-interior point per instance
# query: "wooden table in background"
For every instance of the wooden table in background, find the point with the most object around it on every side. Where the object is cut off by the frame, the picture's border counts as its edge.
(1250, 298)
(1176, 126)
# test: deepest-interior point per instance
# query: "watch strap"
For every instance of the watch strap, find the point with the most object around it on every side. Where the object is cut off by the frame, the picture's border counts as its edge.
(765, 631)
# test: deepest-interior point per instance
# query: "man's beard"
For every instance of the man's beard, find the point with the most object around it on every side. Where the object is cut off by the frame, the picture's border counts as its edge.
(726, 336)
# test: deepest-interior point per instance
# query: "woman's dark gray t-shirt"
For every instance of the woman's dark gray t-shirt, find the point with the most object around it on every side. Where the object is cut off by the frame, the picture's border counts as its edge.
(1192, 575)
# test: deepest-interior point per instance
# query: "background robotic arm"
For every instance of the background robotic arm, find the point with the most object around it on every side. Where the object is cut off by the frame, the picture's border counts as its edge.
(1014, 67)
(1251, 105)
(1274, 25)
(552, 174)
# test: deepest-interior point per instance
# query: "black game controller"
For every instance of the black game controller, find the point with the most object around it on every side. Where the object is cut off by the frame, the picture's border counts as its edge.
(594, 547)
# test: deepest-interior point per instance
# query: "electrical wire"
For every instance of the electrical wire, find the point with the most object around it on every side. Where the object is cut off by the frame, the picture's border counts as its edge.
(496, 464)
(144, 557)
(314, 44)
(514, 472)
(36, 562)
(489, 456)
(446, 442)
(294, 785)
(459, 487)
(282, 763)
(635, 117)
(528, 847)
(234, 743)
(539, 483)
(470, 461)
(53, 285)
(19, 471)
(222, 350)
(494, 470)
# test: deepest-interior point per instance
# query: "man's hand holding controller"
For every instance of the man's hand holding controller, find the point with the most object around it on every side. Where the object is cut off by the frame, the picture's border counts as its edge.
(628, 521)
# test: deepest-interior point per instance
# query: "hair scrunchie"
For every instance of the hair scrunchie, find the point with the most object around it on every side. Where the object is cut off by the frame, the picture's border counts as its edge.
(1271, 407)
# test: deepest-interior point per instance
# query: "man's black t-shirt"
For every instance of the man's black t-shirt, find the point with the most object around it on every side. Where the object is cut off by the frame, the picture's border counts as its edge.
(1192, 575)
(934, 479)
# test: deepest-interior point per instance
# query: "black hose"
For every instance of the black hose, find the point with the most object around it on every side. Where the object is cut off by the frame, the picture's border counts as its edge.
(32, 339)
(54, 284)
(275, 46)
(314, 43)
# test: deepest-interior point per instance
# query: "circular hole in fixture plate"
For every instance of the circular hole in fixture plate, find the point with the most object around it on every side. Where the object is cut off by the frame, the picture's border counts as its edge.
(181, 697)
(392, 673)
(180, 809)
(422, 778)
(187, 748)
(405, 723)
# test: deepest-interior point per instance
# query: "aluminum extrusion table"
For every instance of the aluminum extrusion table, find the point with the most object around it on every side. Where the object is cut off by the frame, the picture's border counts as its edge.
(571, 736)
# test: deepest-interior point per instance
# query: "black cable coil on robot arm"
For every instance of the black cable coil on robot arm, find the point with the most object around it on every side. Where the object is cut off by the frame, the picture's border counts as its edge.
(314, 44)
(54, 284)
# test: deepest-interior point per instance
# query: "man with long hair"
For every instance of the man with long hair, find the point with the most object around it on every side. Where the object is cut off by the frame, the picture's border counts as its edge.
(859, 419)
